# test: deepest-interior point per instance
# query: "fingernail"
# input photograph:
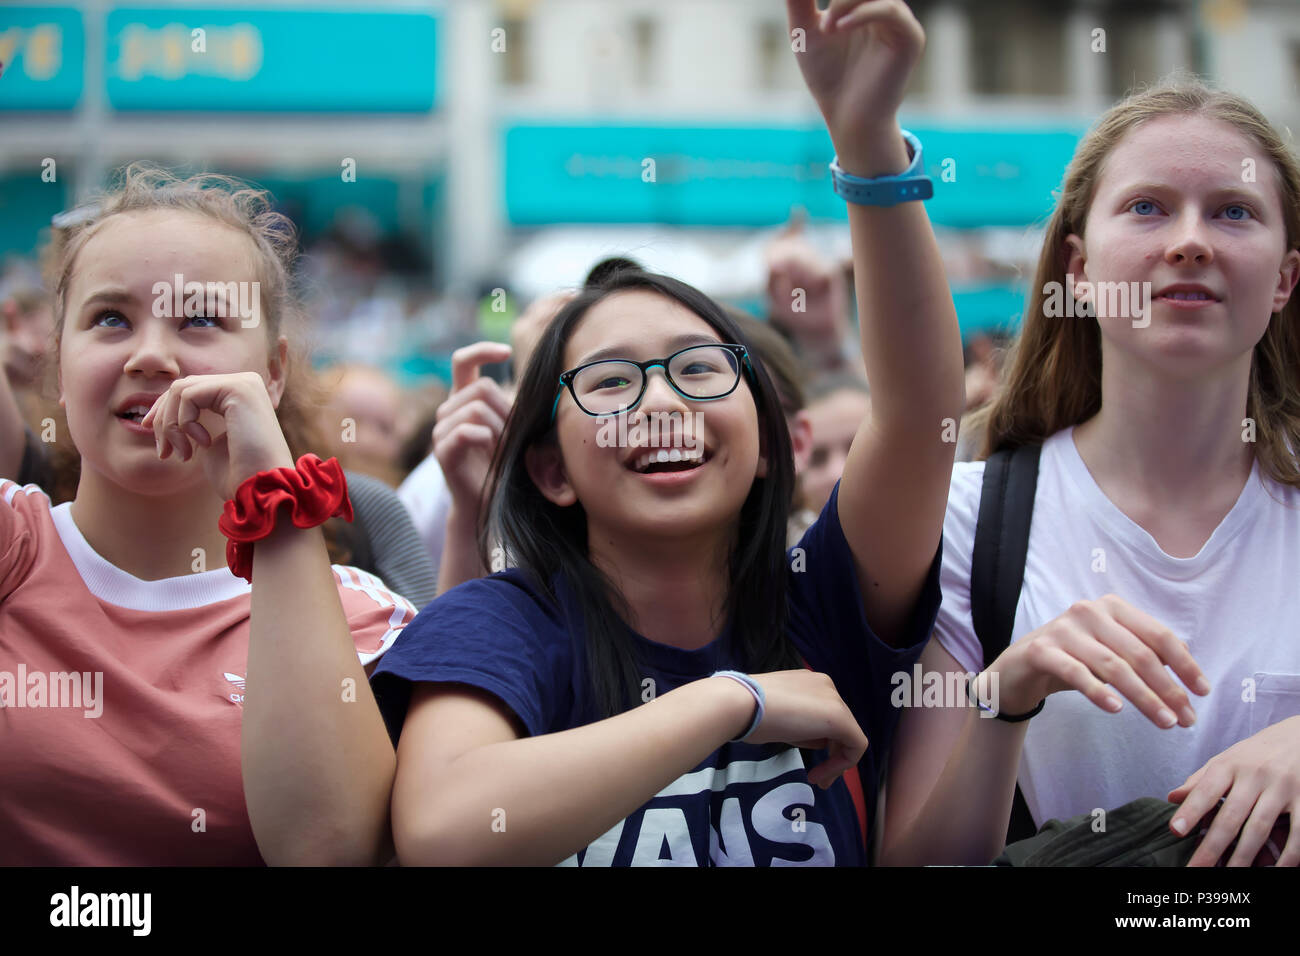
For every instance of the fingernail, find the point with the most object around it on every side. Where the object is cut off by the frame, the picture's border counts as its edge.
(1180, 826)
(1166, 718)
(1202, 685)
(1113, 703)
(1188, 715)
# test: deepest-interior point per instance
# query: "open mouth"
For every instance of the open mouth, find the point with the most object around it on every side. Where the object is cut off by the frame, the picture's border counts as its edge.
(659, 460)
(135, 413)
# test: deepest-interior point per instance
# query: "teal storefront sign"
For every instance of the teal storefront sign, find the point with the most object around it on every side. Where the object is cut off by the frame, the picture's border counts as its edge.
(42, 57)
(754, 176)
(260, 60)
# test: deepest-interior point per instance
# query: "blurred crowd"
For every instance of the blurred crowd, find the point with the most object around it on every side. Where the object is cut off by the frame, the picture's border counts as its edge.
(379, 420)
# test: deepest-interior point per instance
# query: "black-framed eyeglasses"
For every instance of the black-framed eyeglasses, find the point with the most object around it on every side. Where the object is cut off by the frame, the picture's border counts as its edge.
(700, 373)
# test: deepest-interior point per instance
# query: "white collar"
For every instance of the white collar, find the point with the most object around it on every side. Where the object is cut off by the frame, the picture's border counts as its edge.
(112, 585)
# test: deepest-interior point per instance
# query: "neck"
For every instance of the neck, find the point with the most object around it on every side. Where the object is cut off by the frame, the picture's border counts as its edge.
(675, 588)
(149, 536)
(1173, 442)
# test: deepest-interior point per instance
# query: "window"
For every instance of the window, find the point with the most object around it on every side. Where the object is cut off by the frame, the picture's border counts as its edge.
(515, 66)
(1017, 48)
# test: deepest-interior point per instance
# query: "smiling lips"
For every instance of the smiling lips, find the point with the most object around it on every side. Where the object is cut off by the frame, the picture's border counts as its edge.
(667, 459)
(1186, 293)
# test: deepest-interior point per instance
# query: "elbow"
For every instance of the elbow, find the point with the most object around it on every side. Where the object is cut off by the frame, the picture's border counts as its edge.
(327, 847)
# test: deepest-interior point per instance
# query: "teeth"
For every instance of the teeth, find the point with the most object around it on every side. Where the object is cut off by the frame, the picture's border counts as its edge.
(663, 455)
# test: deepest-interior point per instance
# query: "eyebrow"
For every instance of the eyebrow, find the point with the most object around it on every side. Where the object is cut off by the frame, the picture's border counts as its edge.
(115, 295)
(675, 344)
(109, 296)
(1242, 191)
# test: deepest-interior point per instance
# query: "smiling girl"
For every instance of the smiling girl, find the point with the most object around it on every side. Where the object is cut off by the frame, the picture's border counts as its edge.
(571, 710)
(1166, 526)
(236, 725)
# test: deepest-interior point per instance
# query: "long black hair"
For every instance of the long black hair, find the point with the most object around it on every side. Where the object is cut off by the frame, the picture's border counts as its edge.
(546, 540)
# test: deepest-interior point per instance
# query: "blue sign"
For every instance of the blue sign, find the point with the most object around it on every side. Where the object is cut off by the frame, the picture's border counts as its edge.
(271, 60)
(42, 51)
(754, 176)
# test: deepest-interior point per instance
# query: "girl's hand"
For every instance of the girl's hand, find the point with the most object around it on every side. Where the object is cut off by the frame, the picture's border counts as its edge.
(803, 709)
(231, 417)
(1259, 779)
(470, 423)
(856, 60)
(1096, 643)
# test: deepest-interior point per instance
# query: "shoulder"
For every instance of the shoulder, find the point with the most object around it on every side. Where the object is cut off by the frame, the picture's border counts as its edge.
(510, 597)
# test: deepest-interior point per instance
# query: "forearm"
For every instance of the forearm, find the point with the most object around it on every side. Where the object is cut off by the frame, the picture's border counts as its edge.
(460, 557)
(552, 795)
(317, 761)
(964, 820)
(911, 342)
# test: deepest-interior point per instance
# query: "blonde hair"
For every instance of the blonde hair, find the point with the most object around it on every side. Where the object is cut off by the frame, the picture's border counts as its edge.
(144, 187)
(1052, 377)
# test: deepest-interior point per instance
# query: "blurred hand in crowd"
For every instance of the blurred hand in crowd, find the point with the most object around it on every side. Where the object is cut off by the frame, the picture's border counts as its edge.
(808, 299)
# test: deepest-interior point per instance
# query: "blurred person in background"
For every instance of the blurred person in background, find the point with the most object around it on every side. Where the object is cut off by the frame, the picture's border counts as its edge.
(808, 302)
(788, 375)
(364, 418)
(477, 398)
(837, 406)
(26, 327)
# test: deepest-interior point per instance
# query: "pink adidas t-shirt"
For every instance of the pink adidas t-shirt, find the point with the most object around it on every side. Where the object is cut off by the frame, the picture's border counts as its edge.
(121, 699)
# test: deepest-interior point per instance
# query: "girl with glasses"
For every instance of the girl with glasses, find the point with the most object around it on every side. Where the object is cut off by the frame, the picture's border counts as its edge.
(571, 710)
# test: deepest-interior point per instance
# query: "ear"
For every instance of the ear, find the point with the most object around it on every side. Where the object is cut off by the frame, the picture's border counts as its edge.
(800, 439)
(1286, 279)
(278, 371)
(545, 466)
(1076, 265)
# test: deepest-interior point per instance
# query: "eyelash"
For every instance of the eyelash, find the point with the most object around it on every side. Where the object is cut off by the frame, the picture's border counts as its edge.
(95, 322)
(1233, 205)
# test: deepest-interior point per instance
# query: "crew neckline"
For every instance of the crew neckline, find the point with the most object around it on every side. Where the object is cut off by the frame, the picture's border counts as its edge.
(112, 585)
(1133, 534)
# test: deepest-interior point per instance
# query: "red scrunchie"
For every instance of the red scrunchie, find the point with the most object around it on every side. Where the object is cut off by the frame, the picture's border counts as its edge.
(316, 489)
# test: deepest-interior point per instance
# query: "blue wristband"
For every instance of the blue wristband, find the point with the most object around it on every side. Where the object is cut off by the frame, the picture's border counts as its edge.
(754, 689)
(910, 184)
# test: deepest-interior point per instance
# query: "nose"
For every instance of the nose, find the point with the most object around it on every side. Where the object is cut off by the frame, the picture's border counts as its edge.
(1190, 242)
(152, 352)
(659, 395)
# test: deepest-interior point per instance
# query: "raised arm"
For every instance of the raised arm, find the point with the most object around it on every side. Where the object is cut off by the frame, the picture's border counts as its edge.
(470, 423)
(895, 484)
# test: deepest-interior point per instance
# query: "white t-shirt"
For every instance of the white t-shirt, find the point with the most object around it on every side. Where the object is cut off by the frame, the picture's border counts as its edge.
(425, 494)
(1236, 604)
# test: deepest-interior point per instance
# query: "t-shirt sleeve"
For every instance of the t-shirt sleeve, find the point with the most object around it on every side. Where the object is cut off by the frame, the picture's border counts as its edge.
(19, 532)
(491, 633)
(954, 628)
(375, 614)
(829, 623)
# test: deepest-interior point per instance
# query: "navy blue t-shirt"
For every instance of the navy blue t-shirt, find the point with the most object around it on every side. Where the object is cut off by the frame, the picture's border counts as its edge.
(745, 804)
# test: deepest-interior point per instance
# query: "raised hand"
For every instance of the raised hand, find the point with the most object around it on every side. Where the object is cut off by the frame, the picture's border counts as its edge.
(470, 423)
(856, 59)
(231, 417)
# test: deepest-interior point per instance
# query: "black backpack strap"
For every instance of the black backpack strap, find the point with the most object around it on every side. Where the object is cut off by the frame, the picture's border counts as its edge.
(998, 568)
